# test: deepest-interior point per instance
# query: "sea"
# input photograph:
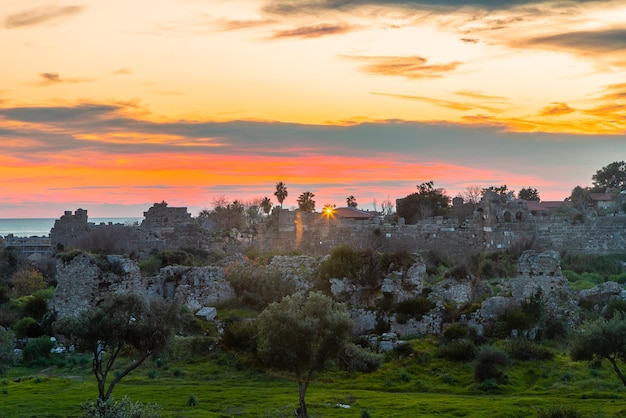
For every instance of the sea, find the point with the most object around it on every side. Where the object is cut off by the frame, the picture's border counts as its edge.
(40, 227)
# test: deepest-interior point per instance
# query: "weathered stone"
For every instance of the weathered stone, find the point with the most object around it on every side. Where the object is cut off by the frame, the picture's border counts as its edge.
(207, 313)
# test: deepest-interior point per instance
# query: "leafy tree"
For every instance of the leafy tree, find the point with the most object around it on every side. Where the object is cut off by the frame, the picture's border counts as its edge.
(426, 202)
(228, 215)
(603, 339)
(580, 197)
(266, 205)
(306, 202)
(528, 193)
(27, 280)
(351, 202)
(612, 176)
(301, 334)
(281, 192)
(123, 323)
(472, 195)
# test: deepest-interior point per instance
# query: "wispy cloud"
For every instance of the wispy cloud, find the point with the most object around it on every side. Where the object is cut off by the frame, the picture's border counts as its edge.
(41, 15)
(122, 71)
(313, 31)
(404, 66)
(49, 79)
(557, 109)
(450, 104)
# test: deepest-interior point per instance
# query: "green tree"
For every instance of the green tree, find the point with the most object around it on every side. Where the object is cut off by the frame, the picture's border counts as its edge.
(123, 323)
(266, 205)
(426, 202)
(529, 193)
(612, 176)
(306, 202)
(602, 339)
(281, 193)
(351, 202)
(26, 281)
(580, 197)
(301, 334)
(500, 190)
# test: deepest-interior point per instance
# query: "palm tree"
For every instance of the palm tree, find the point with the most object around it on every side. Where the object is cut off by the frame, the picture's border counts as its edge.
(281, 193)
(351, 201)
(306, 202)
(266, 205)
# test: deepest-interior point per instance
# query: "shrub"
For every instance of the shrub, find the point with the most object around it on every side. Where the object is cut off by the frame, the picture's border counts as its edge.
(559, 411)
(193, 400)
(150, 266)
(357, 359)
(415, 308)
(582, 285)
(37, 350)
(615, 306)
(27, 327)
(120, 409)
(619, 278)
(27, 280)
(67, 257)
(35, 306)
(489, 364)
(458, 350)
(524, 349)
(240, 335)
(344, 261)
(594, 278)
(7, 344)
(456, 331)
(257, 288)
(571, 276)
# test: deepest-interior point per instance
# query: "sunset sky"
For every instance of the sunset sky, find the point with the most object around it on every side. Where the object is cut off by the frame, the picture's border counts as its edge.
(114, 105)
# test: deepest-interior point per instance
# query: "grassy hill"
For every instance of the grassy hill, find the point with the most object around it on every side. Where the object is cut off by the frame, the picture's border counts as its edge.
(225, 384)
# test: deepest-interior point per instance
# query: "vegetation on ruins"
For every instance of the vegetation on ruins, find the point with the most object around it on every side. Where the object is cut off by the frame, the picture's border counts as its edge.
(122, 324)
(281, 193)
(611, 176)
(426, 202)
(529, 193)
(306, 202)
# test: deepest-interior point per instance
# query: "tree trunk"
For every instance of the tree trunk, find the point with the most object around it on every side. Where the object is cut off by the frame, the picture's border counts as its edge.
(617, 370)
(302, 411)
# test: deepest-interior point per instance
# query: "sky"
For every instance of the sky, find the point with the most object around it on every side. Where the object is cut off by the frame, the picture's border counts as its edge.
(114, 105)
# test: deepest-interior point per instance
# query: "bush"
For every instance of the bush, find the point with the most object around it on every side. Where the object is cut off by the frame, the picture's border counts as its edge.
(489, 364)
(456, 331)
(344, 261)
(150, 266)
(257, 288)
(27, 327)
(559, 411)
(357, 359)
(619, 278)
(524, 349)
(240, 335)
(571, 276)
(124, 408)
(37, 350)
(615, 306)
(415, 308)
(7, 344)
(594, 278)
(35, 306)
(582, 285)
(458, 350)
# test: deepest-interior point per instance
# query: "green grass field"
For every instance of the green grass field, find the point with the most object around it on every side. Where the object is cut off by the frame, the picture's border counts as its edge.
(225, 385)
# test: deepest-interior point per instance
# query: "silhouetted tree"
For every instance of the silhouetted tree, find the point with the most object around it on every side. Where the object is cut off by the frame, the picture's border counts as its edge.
(580, 197)
(123, 323)
(611, 177)
(301, 334)
(351, 202)
(266, 205)
(306, 202)
(529, 193)
(281, 193)
(426, 202)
